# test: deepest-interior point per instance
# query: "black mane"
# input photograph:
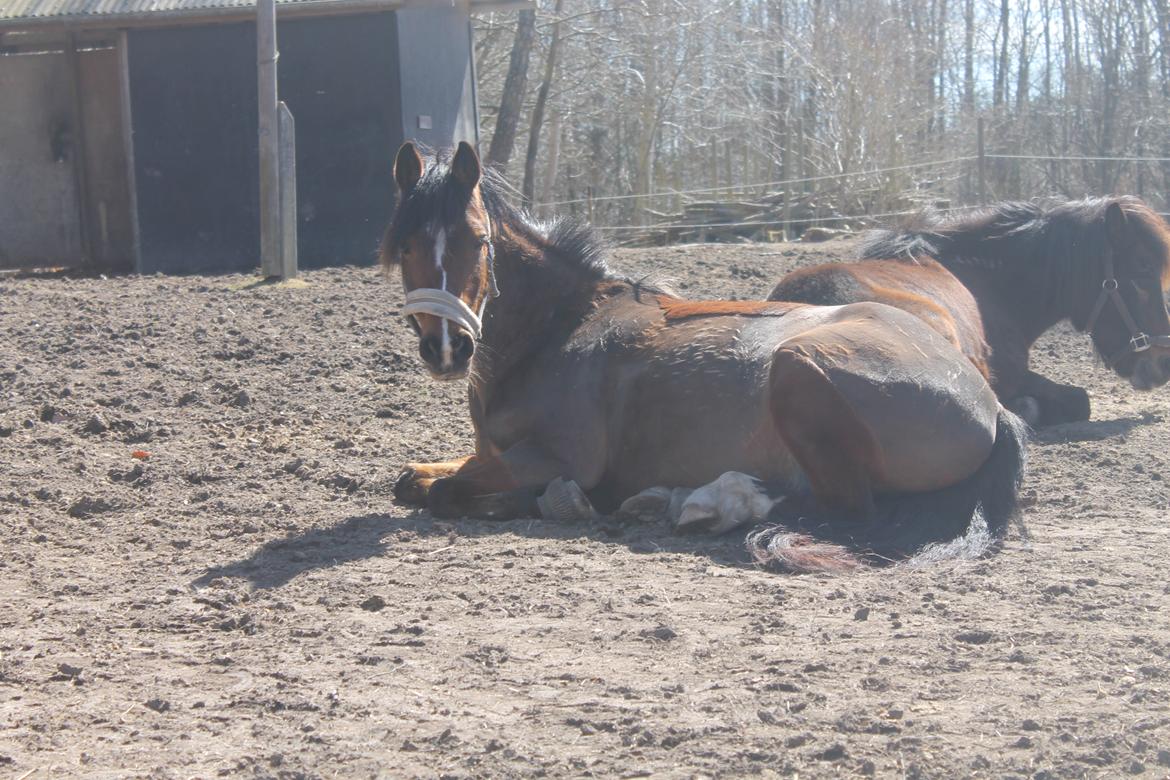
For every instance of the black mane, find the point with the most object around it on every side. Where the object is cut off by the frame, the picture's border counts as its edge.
(439, 196)
(1060, 246)
(1070, 234)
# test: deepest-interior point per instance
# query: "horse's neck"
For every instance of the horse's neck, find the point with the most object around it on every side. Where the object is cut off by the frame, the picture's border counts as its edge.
(535, 292)
(1016, 297)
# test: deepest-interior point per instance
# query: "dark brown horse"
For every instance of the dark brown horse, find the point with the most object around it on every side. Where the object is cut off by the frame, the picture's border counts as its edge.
(883, 434)
(993, 281)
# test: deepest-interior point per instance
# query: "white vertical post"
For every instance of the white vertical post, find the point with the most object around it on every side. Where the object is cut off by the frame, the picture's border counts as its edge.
(288, 193)
(270, 249)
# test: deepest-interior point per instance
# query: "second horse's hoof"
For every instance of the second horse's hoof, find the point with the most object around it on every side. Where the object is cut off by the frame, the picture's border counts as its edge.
(563, 501)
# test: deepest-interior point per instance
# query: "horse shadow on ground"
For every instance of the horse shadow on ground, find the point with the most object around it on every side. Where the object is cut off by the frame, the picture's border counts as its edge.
(1093, 430)
(361, 537)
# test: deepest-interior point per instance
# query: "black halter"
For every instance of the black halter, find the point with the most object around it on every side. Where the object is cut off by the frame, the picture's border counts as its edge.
(1139, 340)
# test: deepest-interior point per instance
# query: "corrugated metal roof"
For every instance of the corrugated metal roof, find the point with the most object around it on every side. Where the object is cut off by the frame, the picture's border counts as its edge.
(37, 12)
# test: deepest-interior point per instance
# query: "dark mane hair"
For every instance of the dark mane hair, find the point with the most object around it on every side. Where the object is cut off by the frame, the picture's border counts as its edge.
(1068, 236)
(438, 196)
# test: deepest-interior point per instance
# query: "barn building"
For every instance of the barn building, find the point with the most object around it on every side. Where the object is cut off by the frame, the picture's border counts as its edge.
(128, 128)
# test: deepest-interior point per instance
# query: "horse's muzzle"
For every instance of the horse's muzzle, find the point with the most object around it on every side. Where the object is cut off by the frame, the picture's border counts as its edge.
(1151, 370)
(447, 354)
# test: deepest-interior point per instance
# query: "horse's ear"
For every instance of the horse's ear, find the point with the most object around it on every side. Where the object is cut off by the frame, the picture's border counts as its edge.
(465, 166)
(408, 167)
(1117, 226)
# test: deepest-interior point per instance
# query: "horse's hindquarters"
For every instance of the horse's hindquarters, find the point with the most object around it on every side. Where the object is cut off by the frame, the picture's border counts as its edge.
(895, 396)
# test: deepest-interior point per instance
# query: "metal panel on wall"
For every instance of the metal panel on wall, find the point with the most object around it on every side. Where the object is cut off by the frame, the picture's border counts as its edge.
(435, 58)
(338, 75)
(39, 218)
(193, 101)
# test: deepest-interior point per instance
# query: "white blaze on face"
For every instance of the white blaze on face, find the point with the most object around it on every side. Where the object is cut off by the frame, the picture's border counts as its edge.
(440, 249)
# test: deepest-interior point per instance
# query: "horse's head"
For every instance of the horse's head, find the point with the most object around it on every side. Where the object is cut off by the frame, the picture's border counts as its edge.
(441, 238)
(1129, 323)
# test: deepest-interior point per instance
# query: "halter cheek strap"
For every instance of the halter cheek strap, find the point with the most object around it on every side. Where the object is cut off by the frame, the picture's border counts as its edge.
(1139, 340)
(440, 303)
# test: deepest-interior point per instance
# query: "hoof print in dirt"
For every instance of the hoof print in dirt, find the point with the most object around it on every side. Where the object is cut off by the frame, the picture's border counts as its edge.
(88, 506)
(95, 425)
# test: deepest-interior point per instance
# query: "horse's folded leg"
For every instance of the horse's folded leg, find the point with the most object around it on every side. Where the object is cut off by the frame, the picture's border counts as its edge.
(415, 480)
(510, 504)
(453, 497)
(411, 487)
(1026, 408)
(1055, 403)
(1070, 404)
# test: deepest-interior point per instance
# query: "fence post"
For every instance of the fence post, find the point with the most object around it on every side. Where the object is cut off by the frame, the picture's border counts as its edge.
(270, 251)
(982, 163)
(288, 193)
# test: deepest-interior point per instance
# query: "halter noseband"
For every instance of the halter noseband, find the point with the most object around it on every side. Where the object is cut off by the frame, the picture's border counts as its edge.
(1139, 340)
(440, 303)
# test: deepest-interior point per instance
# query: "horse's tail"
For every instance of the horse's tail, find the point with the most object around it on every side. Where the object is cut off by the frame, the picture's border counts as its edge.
(967, 520)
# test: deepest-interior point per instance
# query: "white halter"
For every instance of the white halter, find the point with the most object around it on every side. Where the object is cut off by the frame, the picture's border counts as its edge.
(440, 303)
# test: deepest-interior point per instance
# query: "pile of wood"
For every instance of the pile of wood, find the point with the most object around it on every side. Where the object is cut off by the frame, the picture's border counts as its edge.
(771, 217)
(727, 221)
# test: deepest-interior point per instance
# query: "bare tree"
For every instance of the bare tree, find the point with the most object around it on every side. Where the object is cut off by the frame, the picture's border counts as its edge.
(508, 118)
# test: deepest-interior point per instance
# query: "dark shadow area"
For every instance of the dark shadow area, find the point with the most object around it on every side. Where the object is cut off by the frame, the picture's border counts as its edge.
(1093, 430)
(365, 536)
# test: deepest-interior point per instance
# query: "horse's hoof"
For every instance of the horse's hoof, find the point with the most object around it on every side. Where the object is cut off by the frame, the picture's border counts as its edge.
(730, 501)
(648, 506)
(563, 501)
(410, 488)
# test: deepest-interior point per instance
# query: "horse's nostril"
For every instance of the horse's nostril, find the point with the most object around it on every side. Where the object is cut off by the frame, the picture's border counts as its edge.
(428, 349)
(463, 347)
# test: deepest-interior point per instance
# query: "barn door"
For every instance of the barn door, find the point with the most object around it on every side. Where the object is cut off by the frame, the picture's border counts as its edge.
(40, 223)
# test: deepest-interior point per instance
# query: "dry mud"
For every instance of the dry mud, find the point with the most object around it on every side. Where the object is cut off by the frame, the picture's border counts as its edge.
(247, 601)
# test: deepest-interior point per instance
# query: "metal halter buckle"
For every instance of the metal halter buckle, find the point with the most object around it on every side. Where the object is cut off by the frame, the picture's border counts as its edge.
(1109, 285)
(1140, 342)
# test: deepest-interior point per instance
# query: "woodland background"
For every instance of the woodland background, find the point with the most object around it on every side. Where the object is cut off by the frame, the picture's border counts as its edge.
(626, 111)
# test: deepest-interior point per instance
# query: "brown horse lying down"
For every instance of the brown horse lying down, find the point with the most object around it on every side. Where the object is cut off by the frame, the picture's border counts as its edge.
(993, 281)
(884, 435)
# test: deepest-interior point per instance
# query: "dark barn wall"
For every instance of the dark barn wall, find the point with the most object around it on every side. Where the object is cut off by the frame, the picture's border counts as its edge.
(339, 77)
(352, 82)
(193, 104)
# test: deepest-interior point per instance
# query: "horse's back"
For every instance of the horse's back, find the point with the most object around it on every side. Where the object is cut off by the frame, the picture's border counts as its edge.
(923, 288)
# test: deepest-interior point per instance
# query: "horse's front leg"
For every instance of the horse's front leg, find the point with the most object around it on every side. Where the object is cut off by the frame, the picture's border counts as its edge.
(499, 488)
(416, 479)
(1042, 402)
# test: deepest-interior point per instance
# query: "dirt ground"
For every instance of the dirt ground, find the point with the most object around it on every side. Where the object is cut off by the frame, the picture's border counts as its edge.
(247, 601)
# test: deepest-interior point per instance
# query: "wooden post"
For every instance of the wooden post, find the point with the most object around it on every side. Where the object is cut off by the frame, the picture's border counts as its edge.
(270, 249)
(288, 193)
(78, 151)
(128, 145)
(981, 163)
